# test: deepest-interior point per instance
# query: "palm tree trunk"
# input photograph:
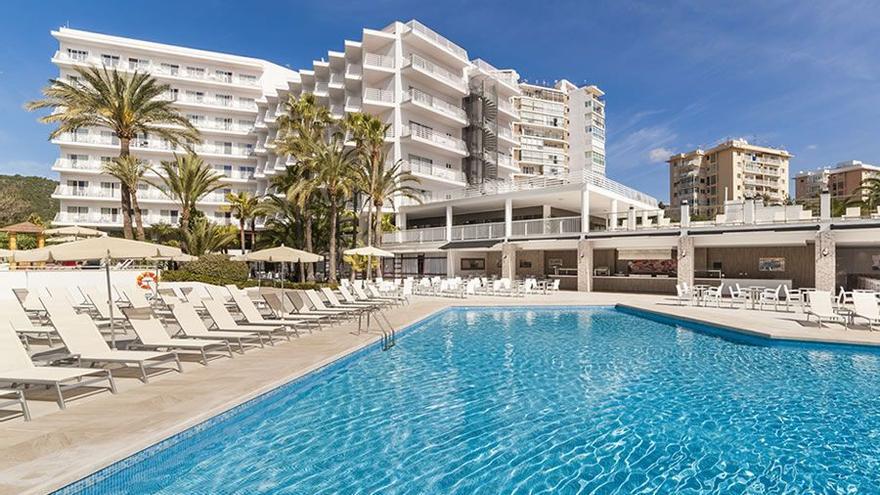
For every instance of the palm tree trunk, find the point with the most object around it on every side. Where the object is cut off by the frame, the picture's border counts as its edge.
(308, 235)
(138, 218)
(332, 267)
(124, 151)
(377, 236)
(253, 233)
(241, 225)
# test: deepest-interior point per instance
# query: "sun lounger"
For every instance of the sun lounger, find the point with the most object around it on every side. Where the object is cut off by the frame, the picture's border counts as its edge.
(192, 326)
(312, 304)
(221, 294)
(135, 297)
(97, 299)
(31, 303)
(12, 312)
(819, 305)
(16, 367)
(349, 298)
(375, 294)
(336, 303)
(83, 340)
(226, 323)
(252, 315)
(13, 397)
(866, 307)
(153, 335)
(289, 311)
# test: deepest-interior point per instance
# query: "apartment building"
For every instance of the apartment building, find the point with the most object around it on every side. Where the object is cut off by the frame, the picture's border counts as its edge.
(841, 181)
(217, 92)
(561, 129)
(451, 118)
(731, 170)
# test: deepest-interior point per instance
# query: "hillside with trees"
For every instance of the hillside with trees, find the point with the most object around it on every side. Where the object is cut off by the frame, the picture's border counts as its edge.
(23, 196)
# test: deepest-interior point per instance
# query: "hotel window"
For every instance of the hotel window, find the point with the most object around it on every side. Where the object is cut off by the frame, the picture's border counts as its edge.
(247, 172)
(171, 69)
(110, 60)
(197, 72)
(247, 78)
(79, 185)
(80, 55)
(138, 63)
(226, 170)
(112, 213)
(225, 146)
(195, 96)
(247, 102)
(223, 123)
(225, 100)
(196, 120)
(78, 210)
(223, 75)
(172, 94)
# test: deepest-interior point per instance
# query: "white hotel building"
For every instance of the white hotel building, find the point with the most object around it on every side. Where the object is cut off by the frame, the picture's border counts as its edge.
(513, 174)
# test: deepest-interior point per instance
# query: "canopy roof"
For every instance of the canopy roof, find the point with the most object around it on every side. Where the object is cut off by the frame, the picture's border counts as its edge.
(23, 228)
(280, 254)
(369, 251)
(75, 230)
(96, 248)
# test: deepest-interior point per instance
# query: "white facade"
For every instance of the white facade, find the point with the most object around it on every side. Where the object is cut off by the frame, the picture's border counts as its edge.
(217, 92)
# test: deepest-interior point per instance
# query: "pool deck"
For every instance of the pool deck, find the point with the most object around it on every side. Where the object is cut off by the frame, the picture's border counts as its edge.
(60, 447)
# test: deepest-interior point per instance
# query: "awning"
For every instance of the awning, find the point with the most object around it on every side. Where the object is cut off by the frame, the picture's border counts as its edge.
(485, 243)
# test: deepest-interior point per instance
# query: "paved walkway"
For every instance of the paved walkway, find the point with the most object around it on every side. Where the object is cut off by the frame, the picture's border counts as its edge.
(59, 447)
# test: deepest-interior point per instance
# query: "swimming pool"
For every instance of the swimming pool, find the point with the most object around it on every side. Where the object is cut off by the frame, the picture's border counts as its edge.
(529, 400)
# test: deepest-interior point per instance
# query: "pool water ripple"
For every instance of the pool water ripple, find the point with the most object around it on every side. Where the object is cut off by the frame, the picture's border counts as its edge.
(547, 401)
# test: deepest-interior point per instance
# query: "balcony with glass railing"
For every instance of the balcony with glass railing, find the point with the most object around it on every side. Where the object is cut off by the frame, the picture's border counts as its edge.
(210, 101)
(374, 60)
(437, 40)
(152, 144)
(433, 138)
(436, 104)
(437, 72)
(429, 170)
(158, 69)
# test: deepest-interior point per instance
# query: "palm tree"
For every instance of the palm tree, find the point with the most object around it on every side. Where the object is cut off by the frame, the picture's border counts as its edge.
(130, 171)
(129, 105)
(301, 128)
(333, 174)
(187, 179)
(368, 133)
(245, 206)
(867, 195)
(206, 237)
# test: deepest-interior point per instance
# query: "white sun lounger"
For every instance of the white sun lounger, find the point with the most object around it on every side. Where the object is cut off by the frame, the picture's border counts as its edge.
(336, 303)
(83, 340)
(866, 307)
(819, 305)
(17, 368)
(98, 301)
(226, 323)
(193, 326)
(12, 312)
(153, 335)
(289, 311)
(252, 315)
(311, 303)
(349, 298)
(135, 297)
(17, 399)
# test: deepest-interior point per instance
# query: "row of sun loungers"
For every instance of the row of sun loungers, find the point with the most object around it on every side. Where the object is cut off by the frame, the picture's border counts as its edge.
(481, 286)
(212, 325)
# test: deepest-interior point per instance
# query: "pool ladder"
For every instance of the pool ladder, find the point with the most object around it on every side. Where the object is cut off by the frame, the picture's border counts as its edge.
(389, 335)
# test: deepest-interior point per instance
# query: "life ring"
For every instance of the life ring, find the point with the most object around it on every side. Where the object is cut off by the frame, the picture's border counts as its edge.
(144, 279)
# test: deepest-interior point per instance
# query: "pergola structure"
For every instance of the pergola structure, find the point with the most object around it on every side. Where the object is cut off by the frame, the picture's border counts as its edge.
(12, 232)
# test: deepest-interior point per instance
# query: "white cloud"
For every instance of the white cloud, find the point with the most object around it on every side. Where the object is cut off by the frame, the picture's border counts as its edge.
(812, 147)
(658, 155)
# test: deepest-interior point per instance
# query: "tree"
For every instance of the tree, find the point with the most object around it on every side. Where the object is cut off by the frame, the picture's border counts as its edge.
(867, 195)
(163, 233)
(301, 129)
(187, 179)
(245, 206)
(205, 237)
(333, 174)
(129, 105)
(368, 133)
(130, 171)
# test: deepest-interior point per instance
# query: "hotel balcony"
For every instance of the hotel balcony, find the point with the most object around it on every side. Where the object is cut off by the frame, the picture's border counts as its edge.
(353, 103)
(431, 172)
(445, 111)
(354, 71)
(151, 195)
(507, 108)
(158, 70)
(152, 145)
(427, 72)
(376, 62)
(214, 127)
(377, 100)
(111, 220)
(438, 142)
(426, 39)
(520, 229)
(210, 102)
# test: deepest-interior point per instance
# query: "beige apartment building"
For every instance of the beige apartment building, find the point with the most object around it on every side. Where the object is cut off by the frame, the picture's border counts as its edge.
(842, 180)
(731, 170)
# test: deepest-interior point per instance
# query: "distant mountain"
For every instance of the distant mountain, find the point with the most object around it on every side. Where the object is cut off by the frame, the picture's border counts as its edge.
(22, 195)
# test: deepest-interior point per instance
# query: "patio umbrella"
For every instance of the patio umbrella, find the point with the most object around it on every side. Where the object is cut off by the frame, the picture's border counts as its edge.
(5, 253)
(75, 231)
(369, 252)
(281, 254)
(97, 248)
(62, 239)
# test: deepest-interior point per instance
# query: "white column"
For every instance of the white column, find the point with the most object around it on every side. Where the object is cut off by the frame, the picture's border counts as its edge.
(508, 260)
(585, 265)
(448, 223)
(451, 263)
(826, 260)
(825, 206)
(585, 209)
(631, 218)
(685, 267)
(613, 217)
(685, 214)
(508, 218)
(401, 220)
(546, 211)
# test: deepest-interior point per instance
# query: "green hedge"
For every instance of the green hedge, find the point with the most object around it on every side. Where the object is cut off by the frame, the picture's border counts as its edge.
(187, 276)
(218, 266)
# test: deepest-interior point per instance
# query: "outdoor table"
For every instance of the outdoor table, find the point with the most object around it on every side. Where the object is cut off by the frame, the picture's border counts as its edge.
(543, 285)
(755, 294)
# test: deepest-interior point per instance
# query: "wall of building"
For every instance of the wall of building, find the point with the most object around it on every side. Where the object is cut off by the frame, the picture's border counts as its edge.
(854, 262)
(743, 262)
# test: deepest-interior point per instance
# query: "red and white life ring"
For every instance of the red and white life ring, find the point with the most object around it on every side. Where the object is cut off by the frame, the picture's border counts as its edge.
(145, 278)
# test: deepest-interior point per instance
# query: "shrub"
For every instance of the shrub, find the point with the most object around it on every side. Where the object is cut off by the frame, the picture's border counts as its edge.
(217, 266)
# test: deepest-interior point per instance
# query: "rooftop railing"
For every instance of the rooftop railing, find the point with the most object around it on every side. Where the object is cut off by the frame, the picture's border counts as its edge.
(437, 39)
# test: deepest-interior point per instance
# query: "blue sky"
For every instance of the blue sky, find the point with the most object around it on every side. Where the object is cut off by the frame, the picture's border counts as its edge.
(677, 74)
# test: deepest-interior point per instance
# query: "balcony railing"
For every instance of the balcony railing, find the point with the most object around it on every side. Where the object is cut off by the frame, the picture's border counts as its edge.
(546, 226)
(429, 135)
(159, 69)
(155, 144)
(376, 60)
(354, 70)
(447, 76)
(477, 231)
(431, 234)
(430, 101)
(440, 41)
(378, 95)
(212, 101)
(417, 167)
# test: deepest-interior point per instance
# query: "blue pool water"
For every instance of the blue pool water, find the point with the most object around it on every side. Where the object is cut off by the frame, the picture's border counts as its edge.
(543, 401)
